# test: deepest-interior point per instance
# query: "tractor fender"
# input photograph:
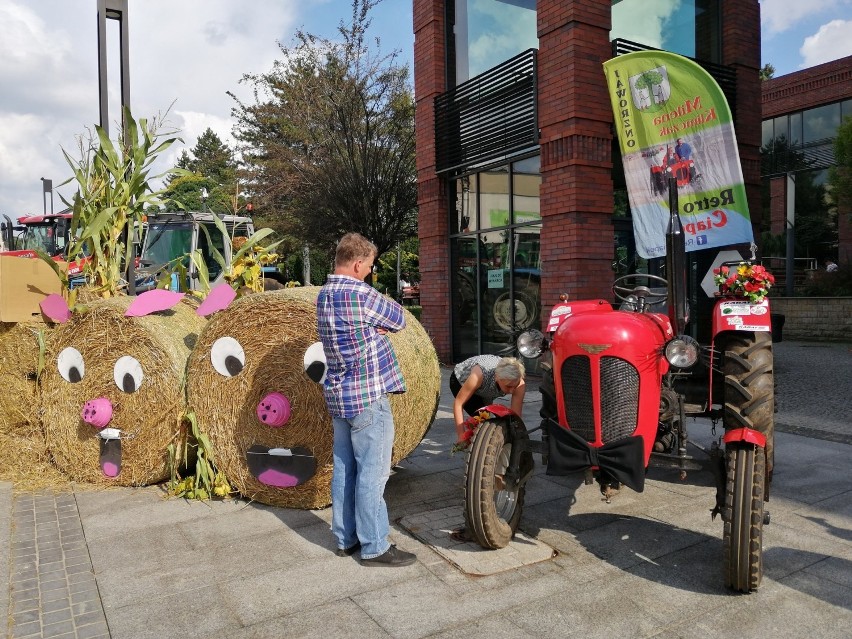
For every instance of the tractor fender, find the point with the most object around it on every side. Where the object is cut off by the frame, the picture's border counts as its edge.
(748, 435)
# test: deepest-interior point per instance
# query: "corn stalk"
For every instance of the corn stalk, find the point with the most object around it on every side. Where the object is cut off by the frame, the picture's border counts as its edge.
(113, 190)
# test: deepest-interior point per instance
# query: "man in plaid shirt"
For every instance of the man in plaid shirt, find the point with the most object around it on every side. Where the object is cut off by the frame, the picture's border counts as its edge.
(353, 320)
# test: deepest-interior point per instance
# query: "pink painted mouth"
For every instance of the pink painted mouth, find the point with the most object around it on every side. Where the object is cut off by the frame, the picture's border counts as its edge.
(110, 458)
(110, 470)
(278, 479)
(281, 471)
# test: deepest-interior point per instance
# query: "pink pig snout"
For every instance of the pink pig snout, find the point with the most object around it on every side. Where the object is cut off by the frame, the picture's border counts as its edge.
(274, 410)
(97, 412)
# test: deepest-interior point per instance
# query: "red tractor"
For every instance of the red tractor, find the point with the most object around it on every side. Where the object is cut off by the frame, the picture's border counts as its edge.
(49, 233)
(619, 385)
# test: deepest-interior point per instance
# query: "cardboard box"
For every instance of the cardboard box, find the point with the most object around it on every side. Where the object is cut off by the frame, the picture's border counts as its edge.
(24, 283)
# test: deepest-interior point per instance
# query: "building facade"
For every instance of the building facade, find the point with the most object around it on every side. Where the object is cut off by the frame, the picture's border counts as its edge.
(801, 114)
(520, 190)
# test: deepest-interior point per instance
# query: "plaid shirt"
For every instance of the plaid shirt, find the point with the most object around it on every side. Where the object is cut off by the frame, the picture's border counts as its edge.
(362, 365)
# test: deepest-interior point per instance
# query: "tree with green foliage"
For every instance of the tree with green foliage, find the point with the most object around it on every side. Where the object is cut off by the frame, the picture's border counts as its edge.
(209, 167)
(329, 143)
(766, 72)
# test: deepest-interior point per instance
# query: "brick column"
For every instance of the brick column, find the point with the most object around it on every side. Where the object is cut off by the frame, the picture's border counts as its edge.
(575, 119)
(741, 51)
(433, 215)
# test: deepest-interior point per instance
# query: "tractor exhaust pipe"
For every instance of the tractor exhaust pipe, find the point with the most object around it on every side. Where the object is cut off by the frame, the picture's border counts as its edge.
(676, 264)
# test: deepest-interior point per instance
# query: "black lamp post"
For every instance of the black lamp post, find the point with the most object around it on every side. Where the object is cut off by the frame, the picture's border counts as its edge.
(47, 187)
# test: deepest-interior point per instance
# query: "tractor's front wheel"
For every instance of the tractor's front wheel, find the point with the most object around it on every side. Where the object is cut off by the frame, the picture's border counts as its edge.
(750, 388)
(492, 510)
(743, 516)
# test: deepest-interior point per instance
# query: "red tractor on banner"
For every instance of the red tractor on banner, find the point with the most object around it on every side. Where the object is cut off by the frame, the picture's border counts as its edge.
(618, 388)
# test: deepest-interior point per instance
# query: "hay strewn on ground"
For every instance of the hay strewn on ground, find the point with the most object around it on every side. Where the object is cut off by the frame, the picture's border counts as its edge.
(149, 419)
(275, 329)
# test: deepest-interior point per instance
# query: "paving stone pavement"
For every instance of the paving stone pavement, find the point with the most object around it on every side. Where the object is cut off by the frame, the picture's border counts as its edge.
(128, 564)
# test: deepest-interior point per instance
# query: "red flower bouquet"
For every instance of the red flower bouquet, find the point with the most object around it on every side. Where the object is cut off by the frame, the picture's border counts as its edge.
(750, 282)
(470, 425)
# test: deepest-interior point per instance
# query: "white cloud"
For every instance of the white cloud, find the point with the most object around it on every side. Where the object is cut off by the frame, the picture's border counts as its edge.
(831, 42)
(777, 16)
(189, 52)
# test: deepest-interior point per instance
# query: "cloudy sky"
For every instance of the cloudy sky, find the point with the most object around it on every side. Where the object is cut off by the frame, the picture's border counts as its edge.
(188, 53)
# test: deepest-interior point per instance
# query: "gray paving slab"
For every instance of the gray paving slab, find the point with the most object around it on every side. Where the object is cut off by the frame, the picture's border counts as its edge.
(127, 563)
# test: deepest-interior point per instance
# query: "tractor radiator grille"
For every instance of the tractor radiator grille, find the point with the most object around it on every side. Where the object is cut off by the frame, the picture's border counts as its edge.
(619, 397)
(577, 390)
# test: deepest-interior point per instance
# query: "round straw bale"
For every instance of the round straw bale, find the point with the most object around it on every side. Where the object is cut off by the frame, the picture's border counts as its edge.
(413, 411)
(274, 330)
(133, 366)
(19, 354)
(23, 453)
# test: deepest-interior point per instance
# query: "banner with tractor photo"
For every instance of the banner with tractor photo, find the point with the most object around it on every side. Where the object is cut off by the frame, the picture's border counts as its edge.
(672, 120)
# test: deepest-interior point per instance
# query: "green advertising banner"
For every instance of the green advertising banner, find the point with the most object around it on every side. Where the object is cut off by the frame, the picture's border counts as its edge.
(672, 119)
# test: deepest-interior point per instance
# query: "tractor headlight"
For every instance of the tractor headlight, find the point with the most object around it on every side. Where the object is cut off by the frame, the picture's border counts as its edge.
(531, 343)
(682, 351)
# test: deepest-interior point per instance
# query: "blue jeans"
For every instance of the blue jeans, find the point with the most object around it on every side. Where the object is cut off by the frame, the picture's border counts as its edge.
(362, 463)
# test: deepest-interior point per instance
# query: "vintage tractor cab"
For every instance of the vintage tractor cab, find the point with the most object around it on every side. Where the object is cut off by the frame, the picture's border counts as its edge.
(49, 234)
(618, 386)
(171, 237)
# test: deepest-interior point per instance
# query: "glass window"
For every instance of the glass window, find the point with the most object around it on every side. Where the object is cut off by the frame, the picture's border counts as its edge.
(488, 32)
(165, 242)
(820, 123)
(768, 134)
(466, 284)
(795, 129)
(494, 197)
(466, 211)
(781, 126)
(688, 27)
(526, 185)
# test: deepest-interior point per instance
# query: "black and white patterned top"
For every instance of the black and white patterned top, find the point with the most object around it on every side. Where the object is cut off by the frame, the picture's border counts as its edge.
(489, 389)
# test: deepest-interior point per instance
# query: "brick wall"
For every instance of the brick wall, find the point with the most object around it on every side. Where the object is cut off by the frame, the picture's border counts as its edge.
(826, 319)
(433, 216)
(822, 84)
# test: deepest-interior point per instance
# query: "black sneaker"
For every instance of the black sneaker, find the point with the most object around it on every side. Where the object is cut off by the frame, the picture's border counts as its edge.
(348, 552)
(393, 556)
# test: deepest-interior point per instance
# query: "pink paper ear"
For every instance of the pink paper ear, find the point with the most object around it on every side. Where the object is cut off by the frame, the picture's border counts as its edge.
(152, 301)
(56, 308)
(217, 299)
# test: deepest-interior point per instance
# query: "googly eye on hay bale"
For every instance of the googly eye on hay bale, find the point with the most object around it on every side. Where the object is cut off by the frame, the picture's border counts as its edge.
(253, 381)
(113, 388)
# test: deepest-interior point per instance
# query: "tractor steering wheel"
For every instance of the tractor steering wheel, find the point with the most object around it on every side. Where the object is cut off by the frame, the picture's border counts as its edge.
(638, 285)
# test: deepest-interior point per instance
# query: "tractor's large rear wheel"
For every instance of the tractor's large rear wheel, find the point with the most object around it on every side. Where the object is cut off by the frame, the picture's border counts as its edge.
(749, 388)
(743, 516)
(492, 511)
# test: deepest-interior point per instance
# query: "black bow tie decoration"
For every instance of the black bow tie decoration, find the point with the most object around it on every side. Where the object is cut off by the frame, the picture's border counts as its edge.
(623, 459)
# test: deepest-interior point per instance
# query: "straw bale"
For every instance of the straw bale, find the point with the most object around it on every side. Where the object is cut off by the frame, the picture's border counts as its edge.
(275, 328)
(19, 351)
(148, 419)
(413, 411)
